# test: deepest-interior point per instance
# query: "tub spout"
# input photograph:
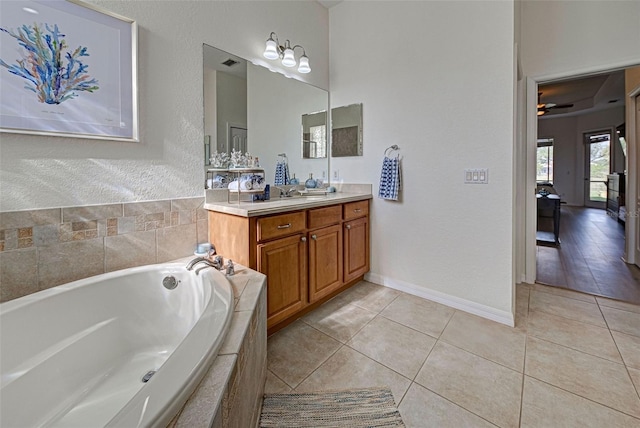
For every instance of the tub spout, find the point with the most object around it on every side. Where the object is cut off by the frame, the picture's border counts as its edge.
(194, 262)
(216, 263)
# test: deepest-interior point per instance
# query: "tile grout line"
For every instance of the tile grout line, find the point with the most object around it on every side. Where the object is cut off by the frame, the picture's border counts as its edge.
(621, 362)
(524, 368)
(636, 387)
(585, 398)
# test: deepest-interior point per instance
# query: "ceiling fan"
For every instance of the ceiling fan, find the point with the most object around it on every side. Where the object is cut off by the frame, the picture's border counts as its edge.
(545, 108)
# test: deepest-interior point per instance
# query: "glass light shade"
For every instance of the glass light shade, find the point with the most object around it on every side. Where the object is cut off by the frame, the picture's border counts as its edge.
(271, 50)
(304, 65)
(288, 60)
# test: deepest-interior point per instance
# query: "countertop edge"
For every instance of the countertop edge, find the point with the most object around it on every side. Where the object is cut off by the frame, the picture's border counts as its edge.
(254, 209)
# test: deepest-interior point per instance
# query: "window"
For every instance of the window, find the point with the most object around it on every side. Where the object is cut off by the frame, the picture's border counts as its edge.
(544, 161)
(319, 138)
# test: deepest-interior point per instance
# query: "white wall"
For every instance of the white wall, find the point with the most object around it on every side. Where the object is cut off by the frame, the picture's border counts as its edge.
(38, 172)
(231, 107)
(210, 100)
(437, 79)
(279, 130)
(576, 36)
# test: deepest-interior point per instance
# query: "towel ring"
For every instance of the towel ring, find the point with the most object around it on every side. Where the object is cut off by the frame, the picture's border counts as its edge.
(391, 148)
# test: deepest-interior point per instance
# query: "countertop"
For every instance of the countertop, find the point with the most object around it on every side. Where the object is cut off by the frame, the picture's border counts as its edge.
(278, 205)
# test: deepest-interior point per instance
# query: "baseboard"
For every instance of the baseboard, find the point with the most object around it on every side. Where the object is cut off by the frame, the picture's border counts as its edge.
(483, 311)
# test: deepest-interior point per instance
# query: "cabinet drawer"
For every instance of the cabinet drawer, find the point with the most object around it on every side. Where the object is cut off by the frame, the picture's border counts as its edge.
(321, 217)
(356, 209)
(280, 225)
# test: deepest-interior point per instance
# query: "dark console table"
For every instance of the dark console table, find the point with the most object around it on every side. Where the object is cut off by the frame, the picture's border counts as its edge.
(549, 204)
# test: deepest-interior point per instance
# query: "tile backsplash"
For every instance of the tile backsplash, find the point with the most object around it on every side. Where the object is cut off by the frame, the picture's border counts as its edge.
(43, 248)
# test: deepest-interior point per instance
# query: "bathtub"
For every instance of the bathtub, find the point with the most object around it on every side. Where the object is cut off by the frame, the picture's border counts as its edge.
(75, 355)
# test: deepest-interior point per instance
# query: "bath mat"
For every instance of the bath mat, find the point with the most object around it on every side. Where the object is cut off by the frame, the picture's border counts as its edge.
(371, 407)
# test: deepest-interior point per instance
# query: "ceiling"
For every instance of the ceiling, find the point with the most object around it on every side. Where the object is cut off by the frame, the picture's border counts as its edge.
(587, 94)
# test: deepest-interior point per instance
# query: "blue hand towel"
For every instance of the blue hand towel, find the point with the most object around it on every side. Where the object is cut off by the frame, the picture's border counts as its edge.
(280, 174)
(390, 184)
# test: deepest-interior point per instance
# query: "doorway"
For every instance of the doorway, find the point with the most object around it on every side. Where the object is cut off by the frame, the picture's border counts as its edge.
(597, 168)
(589, 178)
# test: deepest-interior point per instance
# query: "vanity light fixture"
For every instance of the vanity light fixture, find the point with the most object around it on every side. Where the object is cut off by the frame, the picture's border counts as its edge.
(273, 50)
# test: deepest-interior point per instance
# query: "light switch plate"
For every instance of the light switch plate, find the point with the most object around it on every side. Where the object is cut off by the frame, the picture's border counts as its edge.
(476, 176)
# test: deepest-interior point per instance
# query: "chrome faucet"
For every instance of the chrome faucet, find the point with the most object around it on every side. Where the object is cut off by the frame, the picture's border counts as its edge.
(286, 193)
(216, 263)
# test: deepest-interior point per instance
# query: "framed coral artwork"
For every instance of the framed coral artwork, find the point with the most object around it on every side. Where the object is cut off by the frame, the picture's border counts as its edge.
(67, 69)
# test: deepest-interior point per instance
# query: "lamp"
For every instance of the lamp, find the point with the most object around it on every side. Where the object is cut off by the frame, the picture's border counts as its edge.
(273, 50)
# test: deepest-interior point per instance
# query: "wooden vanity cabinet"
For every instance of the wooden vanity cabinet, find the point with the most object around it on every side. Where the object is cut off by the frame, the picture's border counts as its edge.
(356, 239)
(308, 255)
(325, 251)
(284, 261)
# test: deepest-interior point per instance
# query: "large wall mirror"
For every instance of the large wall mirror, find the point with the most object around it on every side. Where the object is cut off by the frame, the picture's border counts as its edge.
(346, 131)
(252, 109)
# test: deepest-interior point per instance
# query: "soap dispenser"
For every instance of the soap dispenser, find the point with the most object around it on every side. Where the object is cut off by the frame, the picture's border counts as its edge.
(310, 183)
(294, 181)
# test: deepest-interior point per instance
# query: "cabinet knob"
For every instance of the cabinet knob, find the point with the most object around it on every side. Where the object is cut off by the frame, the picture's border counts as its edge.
(284, 226)
(348, 226)
(357, 210)
(314, 237)
(303, 239)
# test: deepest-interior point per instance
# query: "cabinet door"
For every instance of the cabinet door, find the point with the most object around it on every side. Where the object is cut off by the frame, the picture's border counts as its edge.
(356, 248)
(325, 261)
(284, 262)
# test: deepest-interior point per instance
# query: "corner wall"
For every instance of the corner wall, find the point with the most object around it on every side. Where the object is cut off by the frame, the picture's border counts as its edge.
(437, 79)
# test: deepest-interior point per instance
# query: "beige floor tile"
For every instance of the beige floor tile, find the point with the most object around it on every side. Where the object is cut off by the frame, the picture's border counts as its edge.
(635, 377)
(338, 319)
(623, 321)
(297, 350)
(420, 314)
(546, 406)
(559, 291)
(422, 408)
(573, 334)
(491, 340)
(610, 303)
(350, 369)
(522, 307)
(629, 347)
(566, 307)
(591, 377)
(366, 295)
(483, 387)
(274, 385)
(396, 346)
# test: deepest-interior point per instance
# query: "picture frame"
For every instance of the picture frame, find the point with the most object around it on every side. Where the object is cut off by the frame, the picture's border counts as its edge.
(67, 68)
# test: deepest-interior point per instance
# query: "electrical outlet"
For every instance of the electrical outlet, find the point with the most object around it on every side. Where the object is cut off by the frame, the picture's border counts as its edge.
(324, 174)
(336, 174)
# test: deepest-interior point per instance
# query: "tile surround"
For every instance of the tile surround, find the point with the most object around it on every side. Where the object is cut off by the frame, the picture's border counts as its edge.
(230, 393)
(77, 242)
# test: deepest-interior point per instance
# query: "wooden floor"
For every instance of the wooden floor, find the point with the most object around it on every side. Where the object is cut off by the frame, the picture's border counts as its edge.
(589, 257)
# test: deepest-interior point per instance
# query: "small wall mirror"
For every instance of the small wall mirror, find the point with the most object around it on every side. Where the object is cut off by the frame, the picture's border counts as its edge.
(314, 135)
(346, 131)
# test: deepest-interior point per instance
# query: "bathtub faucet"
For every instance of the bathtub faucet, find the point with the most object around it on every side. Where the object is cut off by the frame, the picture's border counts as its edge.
(216, 263)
